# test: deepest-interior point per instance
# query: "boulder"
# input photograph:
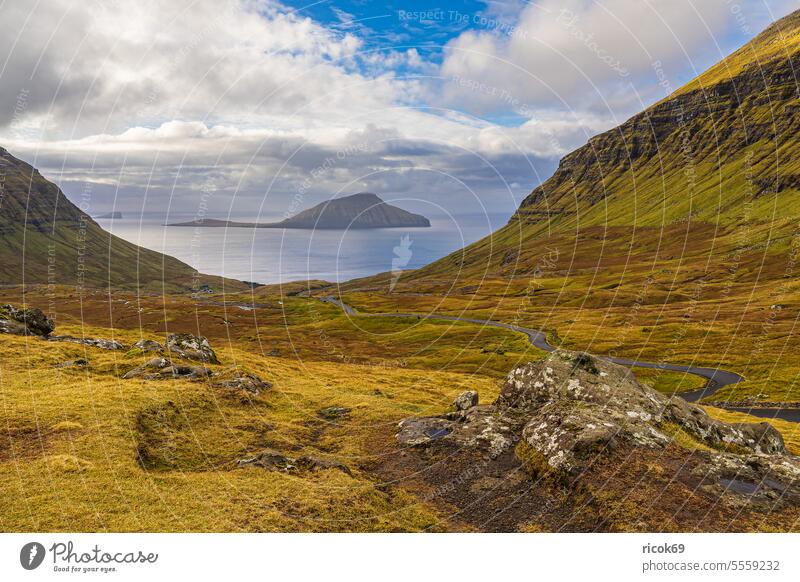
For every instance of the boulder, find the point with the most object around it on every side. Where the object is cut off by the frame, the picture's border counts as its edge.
(22, 321)
(565, 413)
(466, 400)
(191, 347)
(162, 368)
(234, 378)
(147, 345)
(95, 342)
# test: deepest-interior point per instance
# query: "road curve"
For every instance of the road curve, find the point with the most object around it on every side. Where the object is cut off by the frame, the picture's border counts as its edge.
(715, 378)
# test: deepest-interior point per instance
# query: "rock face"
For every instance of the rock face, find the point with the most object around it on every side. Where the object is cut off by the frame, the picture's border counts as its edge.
(191, 347)
(571, 412)
(31, 321)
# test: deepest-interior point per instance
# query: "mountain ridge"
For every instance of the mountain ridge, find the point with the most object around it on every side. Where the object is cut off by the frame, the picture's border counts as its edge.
(717, 155)
(46, 239)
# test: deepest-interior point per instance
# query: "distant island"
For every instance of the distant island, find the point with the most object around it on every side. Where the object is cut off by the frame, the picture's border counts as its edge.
(358, 211)
(115, 214)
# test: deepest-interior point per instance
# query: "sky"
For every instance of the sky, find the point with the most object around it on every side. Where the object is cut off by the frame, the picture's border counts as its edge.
(256, 108)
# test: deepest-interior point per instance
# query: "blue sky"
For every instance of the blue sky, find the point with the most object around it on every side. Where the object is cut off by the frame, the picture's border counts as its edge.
(249, 105)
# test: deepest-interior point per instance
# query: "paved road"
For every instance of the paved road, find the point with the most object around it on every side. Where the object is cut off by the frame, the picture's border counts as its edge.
(715, 378)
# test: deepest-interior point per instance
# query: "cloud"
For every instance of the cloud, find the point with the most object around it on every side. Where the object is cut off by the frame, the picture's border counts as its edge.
(155, 101)
(592, 55)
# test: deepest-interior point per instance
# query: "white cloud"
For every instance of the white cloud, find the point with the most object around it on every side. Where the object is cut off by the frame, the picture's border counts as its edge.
(591, 54)
(252, 98)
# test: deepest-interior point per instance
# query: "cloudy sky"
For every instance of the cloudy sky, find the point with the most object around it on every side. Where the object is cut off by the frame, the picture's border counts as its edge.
(255, 107)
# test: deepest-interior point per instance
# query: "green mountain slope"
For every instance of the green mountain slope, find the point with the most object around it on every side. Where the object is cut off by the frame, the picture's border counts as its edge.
(46, 239)
(711, 170)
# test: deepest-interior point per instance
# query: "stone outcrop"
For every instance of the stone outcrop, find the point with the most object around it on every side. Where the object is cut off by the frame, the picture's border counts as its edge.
(25, 321)
(191, 347)
(162, 369)
(275, 461)
(147, 345)
(567, 412)
(95, 342)
(234, 378)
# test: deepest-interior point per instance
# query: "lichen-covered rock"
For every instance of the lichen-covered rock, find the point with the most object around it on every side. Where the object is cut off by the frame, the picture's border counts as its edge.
(234, 378)
(148, 345)
(571, 409)
(274, 461)
(21, 321)
(162, 368)
(191, 347)
(95, 342)
(466, 400)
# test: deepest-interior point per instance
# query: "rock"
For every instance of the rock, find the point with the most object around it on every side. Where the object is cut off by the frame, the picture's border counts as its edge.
(563, 414)
(162, 368)
(79, 363)
(313, 463)
(147, 345)
(191, 347)
(270, 460)
(31, 321)
(235, 378)
(274, 461)
(334, 412)
(466, 400)
(94, 342)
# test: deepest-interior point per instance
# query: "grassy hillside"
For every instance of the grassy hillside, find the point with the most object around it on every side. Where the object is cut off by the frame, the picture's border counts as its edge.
(673, 237)
(714, 166)
(45, 238)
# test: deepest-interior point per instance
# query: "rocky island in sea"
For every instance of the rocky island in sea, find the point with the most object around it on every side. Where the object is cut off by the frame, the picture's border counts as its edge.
(361, 211)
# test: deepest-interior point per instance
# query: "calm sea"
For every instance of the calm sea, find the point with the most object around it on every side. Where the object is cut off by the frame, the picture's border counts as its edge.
(264, 255)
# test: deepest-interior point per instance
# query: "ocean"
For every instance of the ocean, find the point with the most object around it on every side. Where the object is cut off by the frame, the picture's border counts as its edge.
(265, 255)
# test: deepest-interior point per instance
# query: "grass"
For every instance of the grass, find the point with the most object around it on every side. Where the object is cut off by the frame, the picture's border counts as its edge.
(73, 437)
(668, 382)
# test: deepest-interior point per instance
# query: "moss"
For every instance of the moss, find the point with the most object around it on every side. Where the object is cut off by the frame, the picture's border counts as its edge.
(533, 461)
(684, 439)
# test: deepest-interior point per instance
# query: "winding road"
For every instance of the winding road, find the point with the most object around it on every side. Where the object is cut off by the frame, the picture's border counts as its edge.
(715, 378)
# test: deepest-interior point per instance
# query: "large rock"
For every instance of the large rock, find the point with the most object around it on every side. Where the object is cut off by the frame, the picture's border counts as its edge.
(191, 347)
(466, 400)
(30, 321)
(95, 342)
(148, 345)
(563, 414)
(234, 378)
(162, 369)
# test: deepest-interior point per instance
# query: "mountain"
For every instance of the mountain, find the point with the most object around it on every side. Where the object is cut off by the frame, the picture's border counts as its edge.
(710, 172)
(358, 211)
(110, 215)
(46, 239)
